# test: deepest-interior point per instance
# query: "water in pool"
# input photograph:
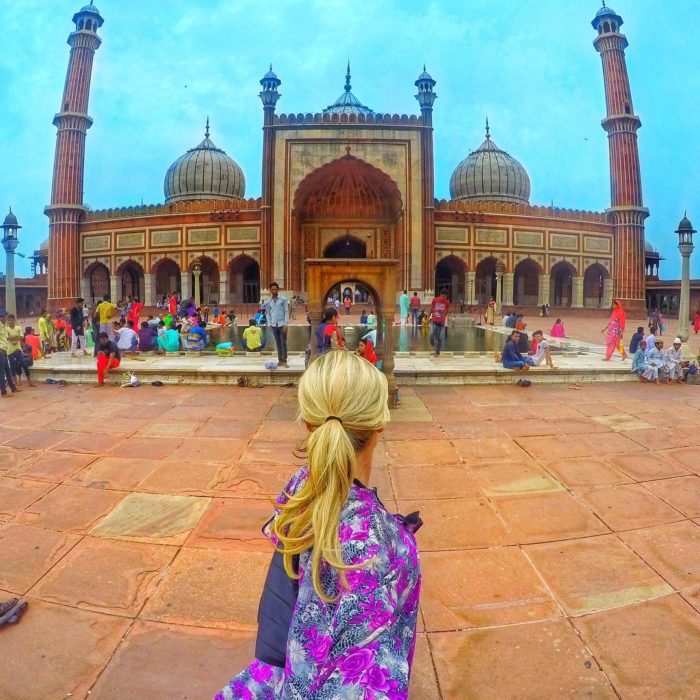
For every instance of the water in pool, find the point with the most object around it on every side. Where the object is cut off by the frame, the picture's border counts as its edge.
(406, 338)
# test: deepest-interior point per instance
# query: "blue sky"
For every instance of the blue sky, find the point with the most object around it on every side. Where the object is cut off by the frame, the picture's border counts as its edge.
(530, 66)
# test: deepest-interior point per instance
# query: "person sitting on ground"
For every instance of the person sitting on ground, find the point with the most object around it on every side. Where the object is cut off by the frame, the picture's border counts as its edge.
(365, 348)
(520, 323)
(541, 352)
(196, 339)
(170, 340)
(674, 362)
(634, 342)
(371, 320)
(423, 319)
(512, 357)
(363, 318)
(506, 318)
(231, 319)
(108, 357)
(650, 341)
(128, 338)
(523, 341)
(640, 365)
(656, 358)
(557, 330)
(252, 337)
(32, 339)
(148, 337)
(327, 334)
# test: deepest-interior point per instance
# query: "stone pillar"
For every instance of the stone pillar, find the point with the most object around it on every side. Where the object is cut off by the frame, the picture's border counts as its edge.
(577, 292)
(684, 306)
(197, 286)
(10, 293)
(85, 291)
(185, 285)
(543, 290)
(223, 289)
(115, 289)
(149, 283)
(499, 294)
(471, 288)
(385, 325)
(607, 293)
(508, 278)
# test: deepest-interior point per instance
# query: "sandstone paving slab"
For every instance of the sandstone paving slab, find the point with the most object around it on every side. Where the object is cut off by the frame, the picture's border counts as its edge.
(414, 452)
(644, 466)
(472, 428)
(423, 684)
(234, 525)
(271, 452)
(446, 481)
(114, 473)
(503, 478)
(552, 410)
(457, 523)
(648, 650)
(628, 506)
(482, 588)
(539, 660)
(90, 444)
(173, 661)
(649, 438)
(579, 426)
(683, 493)
(553, 447)
(11, 459)
(72, 508)
(687, 457)
(54, 467)
(274, 430)
(692, 596)
(510, 412)
(255, 481)
(56, 651)
(198, 449)
(621, 421)
(479, 450)
(153, 518)
(672, 550)
(413, 431)
(171, 428)
(27, 553)
(150, 447)
(230, 429)
(381, 480)
(545, 517)
(598, 409)
(595, 573)
(37, 439)
(586, 471)
(210, 588)
(17, 494)
(527, 428)
(107, 576)
(186, 478)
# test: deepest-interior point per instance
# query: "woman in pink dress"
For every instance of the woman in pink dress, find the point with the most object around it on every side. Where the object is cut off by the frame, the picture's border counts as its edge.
(557, 330)
(614, 331)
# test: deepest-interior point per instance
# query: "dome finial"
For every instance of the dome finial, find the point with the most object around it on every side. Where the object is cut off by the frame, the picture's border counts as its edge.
(488, 134)
(206, 130)
(348, 87)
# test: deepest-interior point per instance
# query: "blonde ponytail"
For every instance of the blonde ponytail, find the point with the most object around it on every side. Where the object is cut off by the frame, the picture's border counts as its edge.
(343, 399)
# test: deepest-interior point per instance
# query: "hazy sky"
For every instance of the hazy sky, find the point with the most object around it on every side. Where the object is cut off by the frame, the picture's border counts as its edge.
(530, 66)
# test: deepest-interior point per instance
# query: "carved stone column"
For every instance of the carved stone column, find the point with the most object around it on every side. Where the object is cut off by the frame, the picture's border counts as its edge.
(607, 293)
(149, 297)
(223, 289)
(508, 278)
(115, 288)
(577, 292)
(471, 288)
(185, 285)
(543, 290)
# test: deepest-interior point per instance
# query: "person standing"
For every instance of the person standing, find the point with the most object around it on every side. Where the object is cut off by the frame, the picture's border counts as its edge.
(18, 362)
(347, 304)
(614, 331)
(277, 311)
(105, 310)
(414, 304)
(696, 322)
(6, 379)
(403, 306)
(44, 333)
(439, 308)
(78, 325)
(491, 312)
(172, 304)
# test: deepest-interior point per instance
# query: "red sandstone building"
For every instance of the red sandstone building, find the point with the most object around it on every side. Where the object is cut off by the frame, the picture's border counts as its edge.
(348, 182)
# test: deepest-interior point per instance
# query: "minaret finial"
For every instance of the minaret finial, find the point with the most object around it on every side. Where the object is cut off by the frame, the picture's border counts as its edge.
(206, 131)
(270, 66)
(348, 87)
(424, 68)
(603, 3)
(488, 135)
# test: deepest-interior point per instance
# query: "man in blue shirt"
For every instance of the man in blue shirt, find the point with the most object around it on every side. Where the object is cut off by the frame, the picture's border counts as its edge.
(512, 358)
(196, 338)
(277, 312)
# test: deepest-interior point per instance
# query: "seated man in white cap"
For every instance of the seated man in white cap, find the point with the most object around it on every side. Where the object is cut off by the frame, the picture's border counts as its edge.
(657, 358)
(674, 362)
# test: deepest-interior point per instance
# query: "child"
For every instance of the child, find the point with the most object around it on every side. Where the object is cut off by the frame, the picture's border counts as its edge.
(640, 365)
(32, 340)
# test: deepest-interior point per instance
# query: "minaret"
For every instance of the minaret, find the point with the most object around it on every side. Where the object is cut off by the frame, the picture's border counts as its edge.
(426, 98)
(72, 122)
(269, 96)
(621, 124)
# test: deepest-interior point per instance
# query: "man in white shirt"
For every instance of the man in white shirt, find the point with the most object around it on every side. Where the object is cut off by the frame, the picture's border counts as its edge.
(542, 352)
(128, 339)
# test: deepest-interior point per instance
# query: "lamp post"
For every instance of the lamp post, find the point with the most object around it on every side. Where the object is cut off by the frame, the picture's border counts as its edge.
(9, 242)
(685, 233)
(500, 269)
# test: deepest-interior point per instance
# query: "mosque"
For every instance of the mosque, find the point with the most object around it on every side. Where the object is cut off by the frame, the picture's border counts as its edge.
(354, 183)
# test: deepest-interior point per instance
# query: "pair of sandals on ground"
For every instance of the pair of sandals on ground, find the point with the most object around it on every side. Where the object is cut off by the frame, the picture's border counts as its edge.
(11, 611)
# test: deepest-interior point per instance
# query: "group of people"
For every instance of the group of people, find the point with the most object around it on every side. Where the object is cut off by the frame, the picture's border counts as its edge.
(18, 349)
(654, 364)
(518, 354)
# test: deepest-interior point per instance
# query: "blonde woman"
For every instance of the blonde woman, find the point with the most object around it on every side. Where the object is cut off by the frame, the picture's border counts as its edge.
(337, 616)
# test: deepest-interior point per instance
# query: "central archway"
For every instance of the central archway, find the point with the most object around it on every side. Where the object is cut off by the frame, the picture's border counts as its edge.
(346, 209)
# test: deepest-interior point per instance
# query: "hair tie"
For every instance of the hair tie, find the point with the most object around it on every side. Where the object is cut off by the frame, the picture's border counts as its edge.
(340, 420)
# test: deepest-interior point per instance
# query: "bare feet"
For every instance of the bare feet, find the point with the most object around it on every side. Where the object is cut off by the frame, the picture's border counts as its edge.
(31, 383)
(7, 395)
(98, 385)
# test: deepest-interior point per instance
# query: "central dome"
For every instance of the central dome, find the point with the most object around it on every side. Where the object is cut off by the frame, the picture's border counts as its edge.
(490, 174)
(347, 103)
(204, 172)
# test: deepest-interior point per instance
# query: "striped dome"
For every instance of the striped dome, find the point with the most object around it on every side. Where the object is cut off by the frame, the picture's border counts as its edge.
(204, 172)
(490, 174)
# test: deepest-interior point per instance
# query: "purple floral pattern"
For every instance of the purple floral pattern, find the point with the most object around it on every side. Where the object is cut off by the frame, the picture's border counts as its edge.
(360, 647)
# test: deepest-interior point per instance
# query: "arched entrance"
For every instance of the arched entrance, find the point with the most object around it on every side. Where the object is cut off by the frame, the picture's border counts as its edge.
(167, 276)
(346, 209)
(561, 284)
(526, 283)
(208, 280)
(486, 280)
(244, 280)
(449, 274)
(131, 278)
(594, 285)
(97, 277)
(346, 247)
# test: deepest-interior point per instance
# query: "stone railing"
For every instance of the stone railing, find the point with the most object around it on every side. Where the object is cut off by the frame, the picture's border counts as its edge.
(467, 207)
(191, 207)
(318, 118)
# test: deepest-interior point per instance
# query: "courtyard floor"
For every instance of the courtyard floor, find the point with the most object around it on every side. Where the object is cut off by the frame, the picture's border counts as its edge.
(560, 551)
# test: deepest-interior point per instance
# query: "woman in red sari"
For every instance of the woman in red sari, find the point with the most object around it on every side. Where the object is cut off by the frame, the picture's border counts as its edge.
(614, 330)
(134, 313)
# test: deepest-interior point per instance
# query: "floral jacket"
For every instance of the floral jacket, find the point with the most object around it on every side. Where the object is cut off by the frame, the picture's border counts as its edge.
(360, 647)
